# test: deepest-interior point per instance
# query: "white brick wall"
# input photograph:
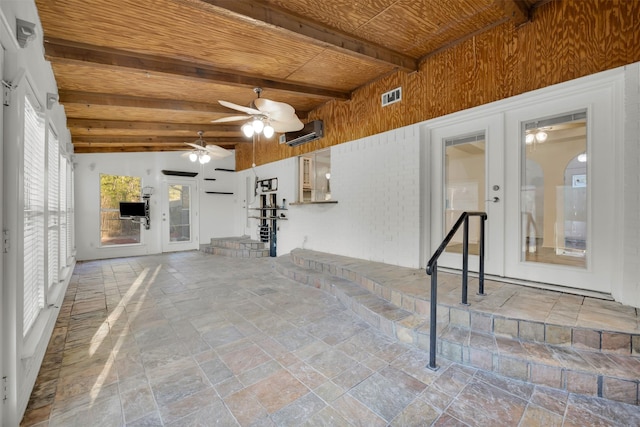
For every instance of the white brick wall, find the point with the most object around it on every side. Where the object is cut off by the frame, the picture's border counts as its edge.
(376, 183)
(631, 232)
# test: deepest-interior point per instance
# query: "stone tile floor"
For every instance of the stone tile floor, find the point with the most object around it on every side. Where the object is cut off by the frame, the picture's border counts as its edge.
(189, 339)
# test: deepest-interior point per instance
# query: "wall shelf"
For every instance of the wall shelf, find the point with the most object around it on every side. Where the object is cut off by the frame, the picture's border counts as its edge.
(318, 202)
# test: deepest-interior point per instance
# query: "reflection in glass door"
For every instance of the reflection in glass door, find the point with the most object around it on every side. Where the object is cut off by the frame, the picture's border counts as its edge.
(554, 218)
(179, 216)
(179, 213)
(464, 186)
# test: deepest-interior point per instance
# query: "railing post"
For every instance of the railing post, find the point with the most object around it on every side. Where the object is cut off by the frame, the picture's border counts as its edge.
(432, 325)
(465, 260)
(481, 260)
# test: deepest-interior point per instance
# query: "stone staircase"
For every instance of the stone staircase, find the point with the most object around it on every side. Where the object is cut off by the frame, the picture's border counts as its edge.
(495, 332)
(236, 247)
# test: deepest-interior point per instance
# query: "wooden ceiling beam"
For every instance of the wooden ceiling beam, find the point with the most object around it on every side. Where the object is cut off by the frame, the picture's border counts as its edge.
(159, 140)
(516, 10)
(259, 13)
(92, 98)
(91, 124)
(84, 149)
(67, 50)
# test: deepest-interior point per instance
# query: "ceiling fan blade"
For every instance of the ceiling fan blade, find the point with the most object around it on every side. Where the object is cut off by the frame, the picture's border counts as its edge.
(230, 119)
(290, 125)
(217, 152)
(196, 146)
(270, 107)
(233, 106)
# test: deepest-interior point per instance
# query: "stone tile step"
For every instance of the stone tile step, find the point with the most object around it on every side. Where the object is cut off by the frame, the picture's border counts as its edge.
(618, 332)
(613, 376)
(242, 242)
(235, 253)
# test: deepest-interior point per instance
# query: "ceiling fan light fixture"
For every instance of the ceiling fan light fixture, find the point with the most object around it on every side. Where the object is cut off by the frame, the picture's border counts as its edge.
(247, 130)
(529, 139)
(257, 125)
(268, 131)
(193, 156)
(204, 158)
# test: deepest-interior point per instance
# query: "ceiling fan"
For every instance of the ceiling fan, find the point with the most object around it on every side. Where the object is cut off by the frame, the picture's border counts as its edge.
(203, 152)
(267, 116)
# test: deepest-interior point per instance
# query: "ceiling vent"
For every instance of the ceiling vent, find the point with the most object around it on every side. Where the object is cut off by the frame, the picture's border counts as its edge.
(311, 131)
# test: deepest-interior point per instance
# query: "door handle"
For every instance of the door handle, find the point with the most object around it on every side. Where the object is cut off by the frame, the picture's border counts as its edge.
(496, 199)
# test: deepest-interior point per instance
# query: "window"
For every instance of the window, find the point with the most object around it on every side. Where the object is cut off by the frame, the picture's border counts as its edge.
(33, 200)
(53, 194)
(314, 183)
(113, 190)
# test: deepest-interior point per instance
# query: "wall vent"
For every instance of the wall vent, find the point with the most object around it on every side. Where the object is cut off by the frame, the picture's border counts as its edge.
(393, 96)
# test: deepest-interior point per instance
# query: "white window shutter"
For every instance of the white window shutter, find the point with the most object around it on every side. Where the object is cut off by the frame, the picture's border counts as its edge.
(33, 237)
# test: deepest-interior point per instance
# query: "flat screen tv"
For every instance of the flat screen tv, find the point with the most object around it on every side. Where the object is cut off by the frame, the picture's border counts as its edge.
(132, 209)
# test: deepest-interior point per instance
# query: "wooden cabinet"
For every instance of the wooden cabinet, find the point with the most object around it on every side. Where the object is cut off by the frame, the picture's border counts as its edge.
(306, 180)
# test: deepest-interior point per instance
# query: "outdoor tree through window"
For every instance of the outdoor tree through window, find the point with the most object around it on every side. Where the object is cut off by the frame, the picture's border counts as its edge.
(113, 190)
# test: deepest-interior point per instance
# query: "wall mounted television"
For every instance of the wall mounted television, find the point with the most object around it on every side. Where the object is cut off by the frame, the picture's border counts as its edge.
(132, 209)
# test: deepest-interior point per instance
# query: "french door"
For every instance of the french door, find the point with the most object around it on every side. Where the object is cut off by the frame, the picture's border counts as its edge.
(179, 215)
(467, 163)
(543, 168)
(561, 154)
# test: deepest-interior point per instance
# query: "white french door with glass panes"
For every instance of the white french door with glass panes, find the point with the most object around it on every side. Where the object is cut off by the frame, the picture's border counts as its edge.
(179, 215)
(543, 167)
(467, 175)
(560, 155)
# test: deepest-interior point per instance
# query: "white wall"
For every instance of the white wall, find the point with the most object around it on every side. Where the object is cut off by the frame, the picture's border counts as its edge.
(24, 68)
(376, 182)
(216, 211)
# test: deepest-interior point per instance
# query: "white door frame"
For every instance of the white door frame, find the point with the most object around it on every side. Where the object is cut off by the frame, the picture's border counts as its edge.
(193, 244)
(492, 126)
(4, 335)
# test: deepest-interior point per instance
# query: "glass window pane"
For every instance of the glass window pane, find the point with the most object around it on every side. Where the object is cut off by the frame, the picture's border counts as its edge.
(179, 213)
(554, 190)
(464, 169)
(113, 190)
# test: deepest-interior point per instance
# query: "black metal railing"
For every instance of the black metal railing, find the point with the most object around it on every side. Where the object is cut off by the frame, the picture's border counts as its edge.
(432, 270)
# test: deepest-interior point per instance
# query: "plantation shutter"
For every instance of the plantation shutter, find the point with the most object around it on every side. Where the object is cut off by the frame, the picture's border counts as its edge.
(53, 191)
(33, 237)
(63, 212)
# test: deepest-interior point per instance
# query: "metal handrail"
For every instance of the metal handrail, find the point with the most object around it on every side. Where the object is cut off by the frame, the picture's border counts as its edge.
(432, 270)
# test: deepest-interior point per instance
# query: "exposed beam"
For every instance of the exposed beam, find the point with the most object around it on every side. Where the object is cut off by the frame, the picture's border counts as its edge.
(85, 149)
(91, 98)
(158, 140)
(259, 13)
(60, 50)
(91, 124)
(516, 10)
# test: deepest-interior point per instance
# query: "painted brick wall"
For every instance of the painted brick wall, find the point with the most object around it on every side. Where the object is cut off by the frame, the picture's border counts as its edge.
(631, 232)
(376, 183)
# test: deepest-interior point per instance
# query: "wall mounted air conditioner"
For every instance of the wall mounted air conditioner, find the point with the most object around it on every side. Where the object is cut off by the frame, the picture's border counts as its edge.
(311, 131)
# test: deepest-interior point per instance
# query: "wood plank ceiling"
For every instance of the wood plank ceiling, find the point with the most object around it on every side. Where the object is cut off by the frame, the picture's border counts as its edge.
(147, 75)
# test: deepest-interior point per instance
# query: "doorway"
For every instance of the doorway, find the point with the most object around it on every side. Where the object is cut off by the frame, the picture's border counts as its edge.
(543, 168)
(179, 214)
(467, 165)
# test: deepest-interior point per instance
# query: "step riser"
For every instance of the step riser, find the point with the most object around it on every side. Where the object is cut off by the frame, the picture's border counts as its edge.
(239, 245)
(236, 253)
(472, 338)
